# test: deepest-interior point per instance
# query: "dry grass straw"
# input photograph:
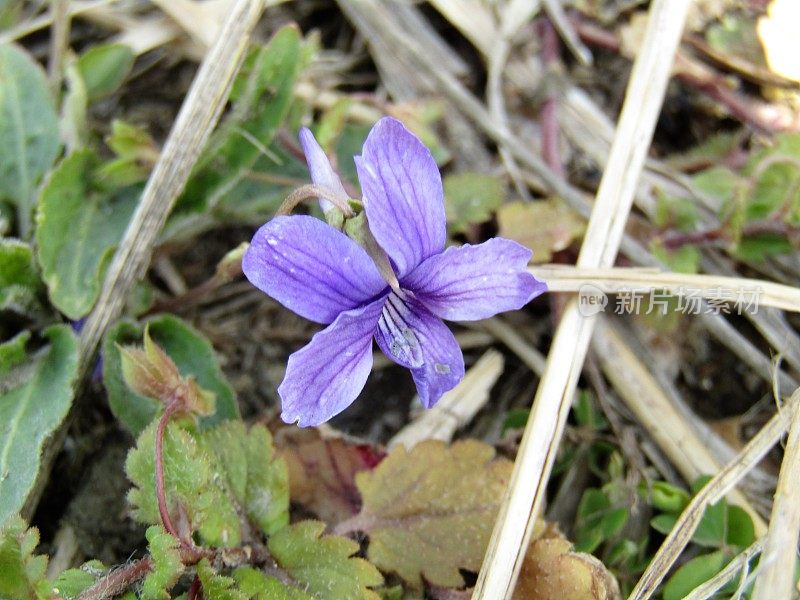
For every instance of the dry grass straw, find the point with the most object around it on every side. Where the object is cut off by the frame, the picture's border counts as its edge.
(197, 117)
(553, 398)
(680, 441)
(777, 566)
(737, 567)
(562, 278)
(59, 41)
(712, 492)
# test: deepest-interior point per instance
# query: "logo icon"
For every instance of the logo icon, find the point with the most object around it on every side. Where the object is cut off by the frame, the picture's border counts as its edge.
(591, 300)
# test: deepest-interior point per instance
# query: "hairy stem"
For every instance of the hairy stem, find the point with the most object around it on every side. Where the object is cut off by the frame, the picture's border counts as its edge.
(163, 510)
(118, 580)
(196, 589)
(313, 191)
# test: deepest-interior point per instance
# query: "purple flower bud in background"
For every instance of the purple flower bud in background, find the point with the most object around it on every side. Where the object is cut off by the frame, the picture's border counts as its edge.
(322, 172)
(323, 275)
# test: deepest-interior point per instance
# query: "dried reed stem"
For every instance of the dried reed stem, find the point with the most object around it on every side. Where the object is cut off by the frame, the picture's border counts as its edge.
(523, 501)
(777, 567)
(713, 491)
(562, 278)
(197, 117)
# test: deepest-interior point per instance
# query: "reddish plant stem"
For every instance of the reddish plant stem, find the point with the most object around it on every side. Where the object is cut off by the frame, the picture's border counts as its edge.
(760, 115)
(703, 237)
(708, 236)
(548, 114)
(196, 590)
(161, 497)
(118, 581)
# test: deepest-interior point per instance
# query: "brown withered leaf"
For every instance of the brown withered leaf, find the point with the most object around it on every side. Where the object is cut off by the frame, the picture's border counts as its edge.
(322, 471)
(430, 511)
(546, 226)
(552, 571)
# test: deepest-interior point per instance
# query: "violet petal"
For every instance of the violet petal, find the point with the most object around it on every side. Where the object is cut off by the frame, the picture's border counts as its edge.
(412, 336)
(403, 195)
(311, 268)
(325, 376)
(468, 283)
(320, 168)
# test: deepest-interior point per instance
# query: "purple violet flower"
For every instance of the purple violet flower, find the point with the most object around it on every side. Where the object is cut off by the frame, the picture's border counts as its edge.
(321, 274)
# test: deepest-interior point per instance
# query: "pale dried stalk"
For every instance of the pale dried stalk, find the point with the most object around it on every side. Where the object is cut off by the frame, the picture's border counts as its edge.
(196, 119)
(777, 565)
(644, 397)
(571, 40)
(737, 565)
(457, 407)
(523, 501)
(76, 7)
(59, 42)
(562, 278)
(198, 115)
(712, 492)
(504, 333)
(473, 18)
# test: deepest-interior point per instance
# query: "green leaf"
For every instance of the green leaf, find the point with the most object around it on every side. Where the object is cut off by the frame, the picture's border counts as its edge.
(712, 531)
(470, 199)
(167, 564)
(679, 213)
(713, 150)
(216, 586)
(429, 512)
(28, 131)
(734, 35)
(586, 412)
(72, 582)
(680, 260)
(741, 531)
(22, 574)
(136, 153)
(255, 476)
(30, 413)
(77, 230)
(720, 182)
(597, 520)
(12, 352)
(759, 248)
(190, 480)
(256, 585)
(667, 497)
(698, 570)
(21, 288)
(191, 352)
(664, 523)
(74, 108)
(261, 96)
(323, 565)
(17, 265)
(104, 68)
(516, 418)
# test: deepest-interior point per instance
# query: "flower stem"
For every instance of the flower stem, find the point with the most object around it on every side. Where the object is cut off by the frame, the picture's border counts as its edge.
(195, 590)
(163, 510)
